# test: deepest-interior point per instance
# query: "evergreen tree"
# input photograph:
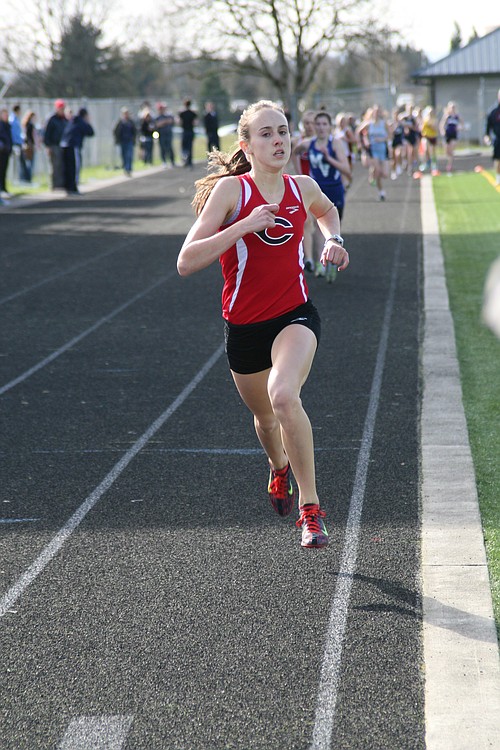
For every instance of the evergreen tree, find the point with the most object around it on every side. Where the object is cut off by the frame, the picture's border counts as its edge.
(81, 67)
(456, 39)
(212, 90)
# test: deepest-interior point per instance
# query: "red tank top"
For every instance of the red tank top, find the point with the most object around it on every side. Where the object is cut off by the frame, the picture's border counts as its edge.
(304, 163)
(264, 271)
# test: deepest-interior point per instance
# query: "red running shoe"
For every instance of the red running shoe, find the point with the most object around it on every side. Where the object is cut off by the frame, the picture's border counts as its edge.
(281, 491)
(314, 533)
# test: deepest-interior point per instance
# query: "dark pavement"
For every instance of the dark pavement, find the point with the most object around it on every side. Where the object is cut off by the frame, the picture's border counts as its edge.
(180, 602)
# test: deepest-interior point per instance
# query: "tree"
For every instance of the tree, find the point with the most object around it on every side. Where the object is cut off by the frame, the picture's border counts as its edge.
(284, 41)
(474, 35)
(33, 44)
(212, 90)
(456, 39)
(81, 67)
(143, 74)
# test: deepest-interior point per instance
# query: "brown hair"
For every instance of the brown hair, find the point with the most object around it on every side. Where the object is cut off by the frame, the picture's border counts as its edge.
(229, 164)
(323, 113)
(27, 117)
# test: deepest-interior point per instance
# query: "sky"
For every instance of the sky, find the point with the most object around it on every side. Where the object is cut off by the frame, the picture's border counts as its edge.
(429, 25)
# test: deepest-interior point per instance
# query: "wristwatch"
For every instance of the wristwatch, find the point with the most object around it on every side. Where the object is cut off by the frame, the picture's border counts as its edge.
(336, 238)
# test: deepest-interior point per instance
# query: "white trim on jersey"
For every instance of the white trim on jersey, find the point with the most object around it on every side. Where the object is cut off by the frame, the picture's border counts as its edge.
(242, 252)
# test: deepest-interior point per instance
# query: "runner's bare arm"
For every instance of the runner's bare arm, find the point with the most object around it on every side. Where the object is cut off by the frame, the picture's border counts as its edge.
(205, 243)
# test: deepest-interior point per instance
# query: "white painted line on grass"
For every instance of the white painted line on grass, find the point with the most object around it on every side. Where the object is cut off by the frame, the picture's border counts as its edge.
(330, 670)
(96, 733)
(49, 552)
(70, 344)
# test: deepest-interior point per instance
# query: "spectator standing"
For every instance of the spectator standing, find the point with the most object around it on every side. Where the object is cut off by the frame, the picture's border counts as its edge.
(164, 124)
(146, 135)
(492, 135)
(75, 131)
(125, 133)
(29, 146)
(17, 137)
(188, 120)
(53, 131)
(211, 123)
(5, 151)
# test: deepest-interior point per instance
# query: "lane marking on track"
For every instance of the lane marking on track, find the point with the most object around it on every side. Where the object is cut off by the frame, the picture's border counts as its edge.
(96, 732)
(19, 520)
(208, 451)
(67, 271)
(53, 547)
(70, 344)
(330, 670)
(488, 177)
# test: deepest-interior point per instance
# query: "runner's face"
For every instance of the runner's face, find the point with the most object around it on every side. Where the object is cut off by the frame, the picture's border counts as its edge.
(308, 126)
(323, 127)
(269, 142)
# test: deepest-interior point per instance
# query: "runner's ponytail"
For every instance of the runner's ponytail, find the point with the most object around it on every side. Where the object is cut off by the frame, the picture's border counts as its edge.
(221, 165)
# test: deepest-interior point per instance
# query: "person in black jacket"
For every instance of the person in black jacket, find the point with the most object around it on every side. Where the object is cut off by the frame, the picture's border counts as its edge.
(125, 133)
(53, 131)
(75, 131)
(493, 128)
(211, 123)
(5, 150)
(187, 119)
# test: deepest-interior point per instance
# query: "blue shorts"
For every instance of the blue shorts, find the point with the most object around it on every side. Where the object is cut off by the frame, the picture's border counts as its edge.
(379, 151)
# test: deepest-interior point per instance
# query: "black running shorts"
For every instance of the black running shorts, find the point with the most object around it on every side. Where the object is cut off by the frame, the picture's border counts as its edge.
(248, 347)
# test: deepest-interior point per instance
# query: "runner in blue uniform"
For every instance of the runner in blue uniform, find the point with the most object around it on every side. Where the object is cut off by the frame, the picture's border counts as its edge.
(327, 163)
(450, 124)
(377, 131)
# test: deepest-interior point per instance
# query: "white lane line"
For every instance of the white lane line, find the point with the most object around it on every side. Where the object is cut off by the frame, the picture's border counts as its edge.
(59, 275)
(18, 520)
(44, 362)
(209, 451)
(96, 733)
(330, 670)
(53, 547)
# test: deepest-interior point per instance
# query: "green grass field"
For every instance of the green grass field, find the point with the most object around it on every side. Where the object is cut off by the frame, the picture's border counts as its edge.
(468, 208)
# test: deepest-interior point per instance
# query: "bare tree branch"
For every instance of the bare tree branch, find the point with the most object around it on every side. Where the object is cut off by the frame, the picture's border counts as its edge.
(288, 40)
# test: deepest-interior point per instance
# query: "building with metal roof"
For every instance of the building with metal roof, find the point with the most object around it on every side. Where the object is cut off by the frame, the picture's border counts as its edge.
(470, 77)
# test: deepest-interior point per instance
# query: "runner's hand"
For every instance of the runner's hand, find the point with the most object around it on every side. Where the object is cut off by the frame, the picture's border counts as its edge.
(262, 217)
(336, 254)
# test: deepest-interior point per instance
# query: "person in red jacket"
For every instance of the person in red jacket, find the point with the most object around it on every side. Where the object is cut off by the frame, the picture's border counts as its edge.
(251, 218)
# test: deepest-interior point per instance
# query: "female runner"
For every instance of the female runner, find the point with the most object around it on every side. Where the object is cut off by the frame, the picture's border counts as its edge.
(251, 218)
